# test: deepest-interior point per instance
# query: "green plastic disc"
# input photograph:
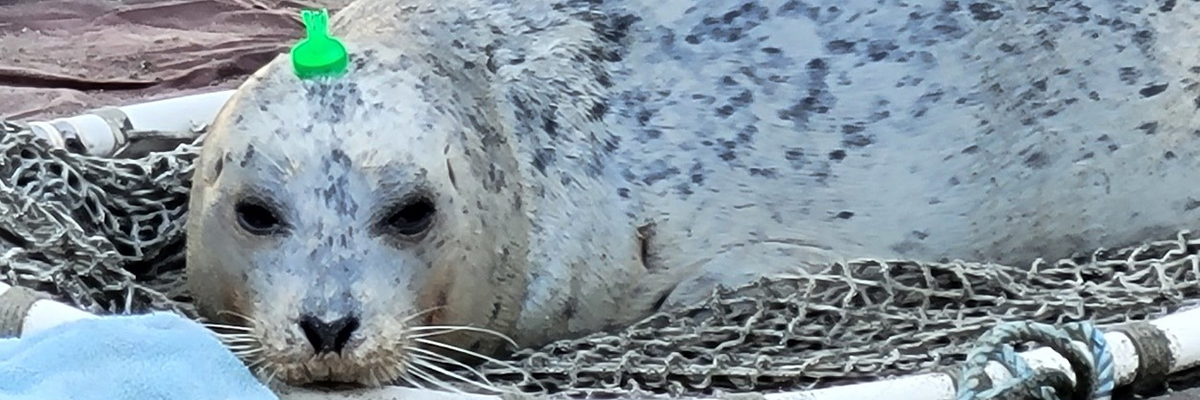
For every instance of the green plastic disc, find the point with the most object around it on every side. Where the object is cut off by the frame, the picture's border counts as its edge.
(319, 54)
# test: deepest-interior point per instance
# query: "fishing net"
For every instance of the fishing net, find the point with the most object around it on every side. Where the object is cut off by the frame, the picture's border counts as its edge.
(106, 235)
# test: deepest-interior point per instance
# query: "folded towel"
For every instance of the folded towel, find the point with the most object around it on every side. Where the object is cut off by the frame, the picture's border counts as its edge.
(142, 357)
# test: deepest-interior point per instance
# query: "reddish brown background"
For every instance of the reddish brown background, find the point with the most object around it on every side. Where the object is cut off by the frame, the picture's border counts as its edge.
(62, 56)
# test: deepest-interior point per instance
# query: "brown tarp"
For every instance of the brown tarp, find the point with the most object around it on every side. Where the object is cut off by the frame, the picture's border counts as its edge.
(61, 56)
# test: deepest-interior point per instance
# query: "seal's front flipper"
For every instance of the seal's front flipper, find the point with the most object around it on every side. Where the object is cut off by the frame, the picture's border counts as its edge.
(738, 266)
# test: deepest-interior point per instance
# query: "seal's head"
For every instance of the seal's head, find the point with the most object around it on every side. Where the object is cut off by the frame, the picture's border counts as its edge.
(341, 220)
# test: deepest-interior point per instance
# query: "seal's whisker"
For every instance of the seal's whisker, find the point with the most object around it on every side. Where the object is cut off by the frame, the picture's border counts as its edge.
(435, 357)
(242, 348)
(236, 337)
(426, 362)
(271, 378)
(454, 328)
(239, 343)
(248, 351)
(394, 370)
(373, 373)
(233, 342)
(420, 313)
(471, 353)
(257, 363)
(431, 379)
(228, 327)
(408, 378)
(249, 321)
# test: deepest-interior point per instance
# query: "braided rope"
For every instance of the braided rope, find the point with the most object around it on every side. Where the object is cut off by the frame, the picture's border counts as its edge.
(1094, 372)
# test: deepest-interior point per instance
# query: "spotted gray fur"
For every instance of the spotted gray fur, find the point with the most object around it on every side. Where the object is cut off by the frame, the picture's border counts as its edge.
(752, 135)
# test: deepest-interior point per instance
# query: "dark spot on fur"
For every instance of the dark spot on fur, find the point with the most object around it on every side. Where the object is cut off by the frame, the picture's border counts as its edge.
(1143, 37)
(853, 136)
(1191, 204)
(725, 111)
(598, 111)
(840, 46)
(972, 149)
(570, 308)
(1170, 155)
(660, 171)
(1040, 84)
(796, 157)
(1036, 160)
(984, 12)
(844, 215)
(1128, 75)
(441, 299)
(623, 192)
(878, 50)
(742, 99)
(1153, 90)
(837, 155)
(768, 173)
(219, 166)
(1167, 5)
(1149, 128)
(496, 310)
(550, 125)
(450, 171)
(247, 156)
(542, 158)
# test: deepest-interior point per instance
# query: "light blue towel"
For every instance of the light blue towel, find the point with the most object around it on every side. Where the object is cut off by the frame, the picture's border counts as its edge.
(142, 357)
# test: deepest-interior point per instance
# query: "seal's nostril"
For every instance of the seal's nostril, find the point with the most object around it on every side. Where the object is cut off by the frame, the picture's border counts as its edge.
(328, 337)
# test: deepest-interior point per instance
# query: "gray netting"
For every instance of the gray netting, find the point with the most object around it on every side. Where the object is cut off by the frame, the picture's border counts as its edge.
(103, 234)
(106, 235)
(859, 321)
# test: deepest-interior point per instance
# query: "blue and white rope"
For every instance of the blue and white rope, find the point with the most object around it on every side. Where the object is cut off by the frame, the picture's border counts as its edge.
(1094, 372)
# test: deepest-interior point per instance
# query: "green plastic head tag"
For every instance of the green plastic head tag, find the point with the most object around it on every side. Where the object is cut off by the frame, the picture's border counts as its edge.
(319, 54)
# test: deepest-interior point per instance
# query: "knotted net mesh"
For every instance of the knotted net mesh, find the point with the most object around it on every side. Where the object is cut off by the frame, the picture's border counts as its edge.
(106, 235)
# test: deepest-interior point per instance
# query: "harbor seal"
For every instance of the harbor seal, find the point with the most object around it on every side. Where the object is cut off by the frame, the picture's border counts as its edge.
(547, 169)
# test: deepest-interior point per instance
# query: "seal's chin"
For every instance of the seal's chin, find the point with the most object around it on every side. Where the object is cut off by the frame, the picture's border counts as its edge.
(329, 371)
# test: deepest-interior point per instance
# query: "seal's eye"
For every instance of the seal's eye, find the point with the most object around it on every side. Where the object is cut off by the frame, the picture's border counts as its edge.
(256, 218)
(411, 219)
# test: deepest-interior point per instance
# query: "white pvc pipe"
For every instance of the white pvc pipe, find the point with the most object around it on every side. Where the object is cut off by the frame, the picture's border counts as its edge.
(1182, 330)
(101, 138)
(176, 114)
(1183, 333)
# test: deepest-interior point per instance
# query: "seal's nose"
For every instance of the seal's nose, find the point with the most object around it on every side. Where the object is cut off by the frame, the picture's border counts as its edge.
(328, 337)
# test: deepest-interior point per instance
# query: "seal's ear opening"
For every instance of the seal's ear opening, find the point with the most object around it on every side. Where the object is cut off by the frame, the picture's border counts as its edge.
(645, 235)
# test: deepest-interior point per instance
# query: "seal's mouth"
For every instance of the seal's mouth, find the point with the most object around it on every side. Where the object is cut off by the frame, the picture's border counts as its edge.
(333, 386)
(419, 355)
